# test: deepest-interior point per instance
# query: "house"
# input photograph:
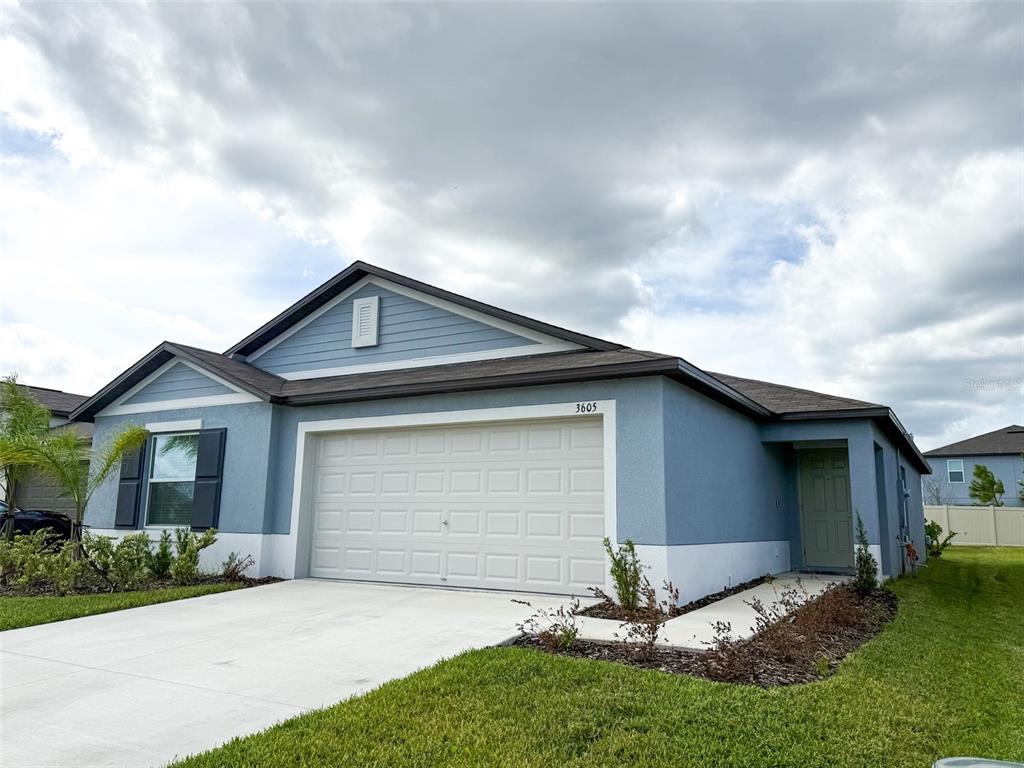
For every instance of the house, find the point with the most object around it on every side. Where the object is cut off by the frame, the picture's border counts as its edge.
(36, 491)
(1002, 451)
(384, 429)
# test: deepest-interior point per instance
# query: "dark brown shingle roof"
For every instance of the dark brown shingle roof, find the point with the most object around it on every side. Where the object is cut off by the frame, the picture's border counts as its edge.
(778, 398)
(59, 403)
(1007, 440)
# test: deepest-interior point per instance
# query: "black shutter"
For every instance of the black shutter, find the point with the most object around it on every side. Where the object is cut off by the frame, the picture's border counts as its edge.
(209, 468)
(130, 487)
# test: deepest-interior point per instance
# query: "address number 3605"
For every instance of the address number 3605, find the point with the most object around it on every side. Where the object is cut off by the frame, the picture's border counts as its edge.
(586, 407)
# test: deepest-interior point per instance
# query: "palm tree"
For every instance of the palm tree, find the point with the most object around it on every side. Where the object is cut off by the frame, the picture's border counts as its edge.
(63, 455)
(20, 417)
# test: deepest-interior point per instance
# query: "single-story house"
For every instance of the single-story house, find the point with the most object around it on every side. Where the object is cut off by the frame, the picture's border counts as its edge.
(384, 429)
(37, 491)
(1002, 451)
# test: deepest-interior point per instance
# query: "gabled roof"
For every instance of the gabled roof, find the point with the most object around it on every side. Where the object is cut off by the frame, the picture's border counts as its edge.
(599, 359)
(59, 403)
(1008, 440)
(355, 272)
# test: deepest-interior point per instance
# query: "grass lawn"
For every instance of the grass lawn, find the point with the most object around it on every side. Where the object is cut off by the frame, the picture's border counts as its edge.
(945, 678)
(27, 611)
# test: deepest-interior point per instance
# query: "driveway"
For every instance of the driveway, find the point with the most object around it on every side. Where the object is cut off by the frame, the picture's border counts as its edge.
(143, 686)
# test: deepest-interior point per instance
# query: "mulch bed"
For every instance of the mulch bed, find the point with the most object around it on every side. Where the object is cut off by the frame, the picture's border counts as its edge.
(802, 648)
(607, 609)
(98, 587)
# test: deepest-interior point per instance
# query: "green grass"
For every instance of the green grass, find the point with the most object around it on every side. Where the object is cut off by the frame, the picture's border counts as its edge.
(18, 612)
(946, 677)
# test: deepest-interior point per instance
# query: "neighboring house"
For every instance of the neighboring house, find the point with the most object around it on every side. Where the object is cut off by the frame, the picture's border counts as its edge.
(953, 466)
(37, 491)
(387, 430)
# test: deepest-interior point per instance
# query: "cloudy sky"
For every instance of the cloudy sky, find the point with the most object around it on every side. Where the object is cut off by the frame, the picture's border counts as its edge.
(829, 196)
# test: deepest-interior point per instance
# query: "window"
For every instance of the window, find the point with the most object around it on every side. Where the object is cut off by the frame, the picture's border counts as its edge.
(172, 476)
(955, 470)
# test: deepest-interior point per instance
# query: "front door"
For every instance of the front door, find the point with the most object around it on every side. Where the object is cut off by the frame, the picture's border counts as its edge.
(826, 517)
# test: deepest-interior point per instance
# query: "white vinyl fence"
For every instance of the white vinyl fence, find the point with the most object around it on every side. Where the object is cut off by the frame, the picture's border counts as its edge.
(985, 526)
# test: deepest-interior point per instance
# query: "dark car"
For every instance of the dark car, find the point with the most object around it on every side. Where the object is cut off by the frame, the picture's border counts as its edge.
(32, 520)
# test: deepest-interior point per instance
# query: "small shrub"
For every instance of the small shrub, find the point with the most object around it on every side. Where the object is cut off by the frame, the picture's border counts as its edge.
(62, 569)
(161, 558)
(627, 574)
(935, 542)
(554, 629)
(21, 553)
(185, 568)
(866, 578)
(234, 568)
(643, 627)
(129, 567)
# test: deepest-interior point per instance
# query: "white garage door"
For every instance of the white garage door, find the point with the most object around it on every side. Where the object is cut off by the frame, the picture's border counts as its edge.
(516, 506)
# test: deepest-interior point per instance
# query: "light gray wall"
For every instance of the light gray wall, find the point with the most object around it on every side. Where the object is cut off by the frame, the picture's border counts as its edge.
(246, 461)
(408, 329)
(892, 459)
(178, 382)
(1008, 468)
(722, 484)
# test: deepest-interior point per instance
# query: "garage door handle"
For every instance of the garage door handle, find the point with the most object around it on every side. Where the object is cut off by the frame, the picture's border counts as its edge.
(444, 522)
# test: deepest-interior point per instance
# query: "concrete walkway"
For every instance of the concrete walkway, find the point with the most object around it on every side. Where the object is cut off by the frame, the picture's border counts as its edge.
(143, 686)
(694, 630)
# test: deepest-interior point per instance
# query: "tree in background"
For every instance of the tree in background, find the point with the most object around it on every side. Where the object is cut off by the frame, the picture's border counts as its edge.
(985, 487)
(936, 493)
(21, 419)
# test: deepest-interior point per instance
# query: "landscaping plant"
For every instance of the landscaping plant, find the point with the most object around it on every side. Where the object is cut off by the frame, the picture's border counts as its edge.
(986, 488)
(234, 568)
(935, 542)
(161, 558)
(865, 579)
(556, 629)
(627, 574)
(185, 568)
(21, 419)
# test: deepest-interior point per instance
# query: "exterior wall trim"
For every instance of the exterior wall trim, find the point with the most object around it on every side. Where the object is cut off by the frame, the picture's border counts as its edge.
(307, 431)
(184, 425)
(118, 408)
(546, 343)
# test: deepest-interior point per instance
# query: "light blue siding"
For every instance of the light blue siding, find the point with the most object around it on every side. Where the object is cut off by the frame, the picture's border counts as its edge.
(176, 383)
(1008, 468)
(408, 329)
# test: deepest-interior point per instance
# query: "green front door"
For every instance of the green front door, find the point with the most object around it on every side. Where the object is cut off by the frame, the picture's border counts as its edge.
(825, 514)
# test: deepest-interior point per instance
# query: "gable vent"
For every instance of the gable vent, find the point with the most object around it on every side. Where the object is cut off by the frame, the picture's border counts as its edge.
(365, 321)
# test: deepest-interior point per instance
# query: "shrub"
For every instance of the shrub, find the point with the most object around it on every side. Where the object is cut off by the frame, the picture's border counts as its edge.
(129, 567)
(553, 628)
(62, 569)
(866, 578)
(643, 627)
(234, 568)
(627, 574)
(21, 553)
(185, 568)
(935, 542)
(162, 557)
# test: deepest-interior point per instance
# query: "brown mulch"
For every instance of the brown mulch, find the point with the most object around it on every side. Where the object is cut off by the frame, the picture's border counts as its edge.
(608, 609)
(804, 647)
(98, 587)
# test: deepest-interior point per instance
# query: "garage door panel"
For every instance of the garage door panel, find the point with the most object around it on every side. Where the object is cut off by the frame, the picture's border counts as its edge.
(509, 506)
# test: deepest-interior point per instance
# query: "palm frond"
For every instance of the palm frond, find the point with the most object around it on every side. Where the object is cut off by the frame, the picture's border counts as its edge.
(131, 438)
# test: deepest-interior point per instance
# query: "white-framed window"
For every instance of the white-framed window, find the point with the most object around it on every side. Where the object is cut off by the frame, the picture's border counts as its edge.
(955, 470)
(171, 479)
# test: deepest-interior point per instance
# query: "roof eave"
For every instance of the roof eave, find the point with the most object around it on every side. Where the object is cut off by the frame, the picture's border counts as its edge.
(887, 421)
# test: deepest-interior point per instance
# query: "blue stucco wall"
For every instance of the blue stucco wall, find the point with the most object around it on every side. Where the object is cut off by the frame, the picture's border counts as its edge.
(722, 484)
(408, 329)
(246, 461)
(1009, 469)
(176, 383)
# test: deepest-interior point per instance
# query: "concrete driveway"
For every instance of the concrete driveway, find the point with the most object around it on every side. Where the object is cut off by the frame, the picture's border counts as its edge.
(143, 686)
